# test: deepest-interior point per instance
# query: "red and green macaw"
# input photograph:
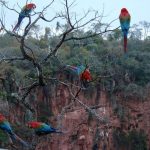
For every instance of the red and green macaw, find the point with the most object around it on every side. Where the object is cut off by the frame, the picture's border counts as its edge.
(125, 25)
(42, 128)
(81, 71)
(5, 126)
(25, 12)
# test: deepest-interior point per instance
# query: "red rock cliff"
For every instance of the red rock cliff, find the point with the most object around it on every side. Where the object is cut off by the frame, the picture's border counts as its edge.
(81, 130)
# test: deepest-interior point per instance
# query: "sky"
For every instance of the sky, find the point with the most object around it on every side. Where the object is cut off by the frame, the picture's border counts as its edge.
(137, 8)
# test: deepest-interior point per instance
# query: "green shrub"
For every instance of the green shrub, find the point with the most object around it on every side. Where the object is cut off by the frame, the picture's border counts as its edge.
(133, 140)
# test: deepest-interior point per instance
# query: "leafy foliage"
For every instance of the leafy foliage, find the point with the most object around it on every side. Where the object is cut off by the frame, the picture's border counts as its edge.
(110, 68)
(3, 137)
(133, 140)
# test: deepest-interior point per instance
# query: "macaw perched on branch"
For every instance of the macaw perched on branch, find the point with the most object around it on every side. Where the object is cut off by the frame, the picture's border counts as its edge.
(42, 128)
(86, 75)
(83, 73)
(5, 126)
(125, 25)
(25, 12)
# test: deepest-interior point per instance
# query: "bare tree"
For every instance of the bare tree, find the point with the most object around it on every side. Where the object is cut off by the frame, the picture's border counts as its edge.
(72, 23)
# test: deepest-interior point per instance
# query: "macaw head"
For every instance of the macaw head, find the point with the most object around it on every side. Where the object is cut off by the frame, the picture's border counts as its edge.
(124, 10)
(33, 124)
(31, 6)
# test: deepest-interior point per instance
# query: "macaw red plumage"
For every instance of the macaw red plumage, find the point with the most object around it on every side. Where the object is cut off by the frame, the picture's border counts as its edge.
(86, 75)
(5, 126)
(26, 10)
(125, 25)
(85, 78)
(42, 128)
(82, 72)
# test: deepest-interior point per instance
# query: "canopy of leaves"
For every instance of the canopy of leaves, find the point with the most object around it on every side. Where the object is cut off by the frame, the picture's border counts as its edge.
(103, 54)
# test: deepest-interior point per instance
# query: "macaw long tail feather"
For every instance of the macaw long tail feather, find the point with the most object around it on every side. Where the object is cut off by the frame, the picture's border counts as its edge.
(72, 68)
(125, 43)
(40, 133)
(58, 131)
(15, 137)
(18, 23)
(16, 26)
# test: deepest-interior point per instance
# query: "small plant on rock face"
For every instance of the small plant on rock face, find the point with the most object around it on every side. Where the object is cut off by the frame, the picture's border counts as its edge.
(90, 117)
(121, 113)
(89, 92)
(137, 140)
(74, 137)
(2, 95)
(133, 140)
(134, 91)
(3, 137)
